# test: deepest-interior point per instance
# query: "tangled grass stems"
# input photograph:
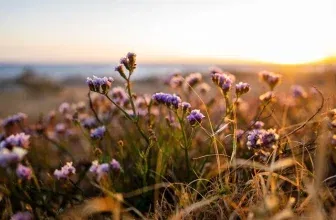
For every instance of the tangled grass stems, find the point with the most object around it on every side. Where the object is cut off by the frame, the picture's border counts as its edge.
(156, 157)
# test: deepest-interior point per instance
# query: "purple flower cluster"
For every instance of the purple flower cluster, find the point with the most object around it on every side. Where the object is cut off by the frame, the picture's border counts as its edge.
(242, 88)
(172, 101)
(299, 92)
(98, 133)
(23, 172)
(129, 62)
(185, 106)
(195, 117)
(258, 138)
(12, 156)
(258, 125)
(89, 122)
(119, 95)
(176, 81)
(17, 140)
(60, 128)
(67, 170)
(17, 118)
(272, 79)
(22, 216)
(222, 80)
(193, 78)
(64, 108)
(97, 84)
(102, 169)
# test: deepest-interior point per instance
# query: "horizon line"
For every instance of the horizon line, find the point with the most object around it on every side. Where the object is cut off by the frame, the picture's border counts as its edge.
(174, 61)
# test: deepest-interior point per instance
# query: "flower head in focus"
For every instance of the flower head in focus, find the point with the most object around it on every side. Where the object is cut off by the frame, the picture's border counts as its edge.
(100, 85)
(242, 88)
(171, 101)
(223, 81)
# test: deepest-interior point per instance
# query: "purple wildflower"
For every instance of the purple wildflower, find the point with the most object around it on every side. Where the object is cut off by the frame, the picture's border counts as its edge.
(176, 81)
(89, 122)
(98, 84)
(102, 170)
(11, 156)
(115, 165)
(67, 170)
(272, 79)
(17, 140)
(99, 169)
(120, 70)
(192, 79)
(22, 216)
(119, 95)
(185, 106)
(131, 60)
(195, 116)
(17, 118)
(60, 128)
(215, 69)
(299, 92)
(64, 108)
(254, 138)
(172, 101)
(223, 81)
(261, 138)
(98, 133)
(258, 125)
(242, 88)
(124, 61)
(269, 138)
(23, 172)
(94, 166)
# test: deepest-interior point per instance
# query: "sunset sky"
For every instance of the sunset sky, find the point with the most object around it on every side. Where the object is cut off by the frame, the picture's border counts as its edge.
(97, 31)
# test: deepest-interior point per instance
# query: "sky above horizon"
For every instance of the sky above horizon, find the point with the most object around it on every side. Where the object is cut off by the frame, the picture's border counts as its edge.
(65, 31)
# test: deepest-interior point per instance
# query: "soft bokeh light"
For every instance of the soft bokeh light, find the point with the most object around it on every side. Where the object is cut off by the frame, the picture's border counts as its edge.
(284, 31)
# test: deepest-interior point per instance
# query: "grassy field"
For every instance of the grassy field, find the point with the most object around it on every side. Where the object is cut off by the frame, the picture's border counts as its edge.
(217, 149)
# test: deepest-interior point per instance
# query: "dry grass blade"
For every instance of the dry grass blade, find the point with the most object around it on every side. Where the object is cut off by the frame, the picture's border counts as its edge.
(193, 207)
(94, 206)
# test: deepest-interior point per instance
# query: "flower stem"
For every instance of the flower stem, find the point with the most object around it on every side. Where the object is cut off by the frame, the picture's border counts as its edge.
(136, 122)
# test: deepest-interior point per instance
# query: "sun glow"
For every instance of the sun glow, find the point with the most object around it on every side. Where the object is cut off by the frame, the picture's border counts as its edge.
(277, 31)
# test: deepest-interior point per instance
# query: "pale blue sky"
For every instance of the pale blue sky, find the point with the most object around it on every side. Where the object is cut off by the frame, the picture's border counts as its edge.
(100, 31)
